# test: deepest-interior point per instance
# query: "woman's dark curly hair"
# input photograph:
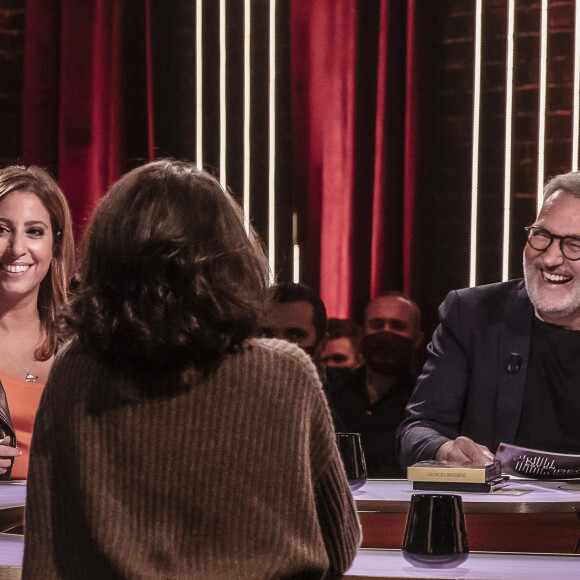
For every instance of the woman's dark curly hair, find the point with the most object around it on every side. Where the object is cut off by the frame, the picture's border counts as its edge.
(168, 277)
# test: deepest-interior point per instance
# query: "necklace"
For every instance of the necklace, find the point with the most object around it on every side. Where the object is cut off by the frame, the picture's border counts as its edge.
(30, 378)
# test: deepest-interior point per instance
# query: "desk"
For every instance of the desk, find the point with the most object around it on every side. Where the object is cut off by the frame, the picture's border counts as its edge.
(374, 564)
(541, 521)
(12, 500)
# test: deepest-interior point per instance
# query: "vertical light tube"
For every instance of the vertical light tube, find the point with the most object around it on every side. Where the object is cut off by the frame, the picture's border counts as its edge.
(222, 35)
(198, 84)
(475, 141)
(576, 105)
(296, 264)
(542, 101)
(508, 137)
(247, 79)
(272, 143)
(296, 249)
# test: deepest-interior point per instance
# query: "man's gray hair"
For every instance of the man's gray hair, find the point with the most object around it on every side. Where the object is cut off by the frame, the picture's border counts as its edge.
(568, 182)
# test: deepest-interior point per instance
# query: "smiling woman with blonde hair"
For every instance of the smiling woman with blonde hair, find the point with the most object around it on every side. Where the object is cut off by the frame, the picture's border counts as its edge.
(36, 262)
(193, 450)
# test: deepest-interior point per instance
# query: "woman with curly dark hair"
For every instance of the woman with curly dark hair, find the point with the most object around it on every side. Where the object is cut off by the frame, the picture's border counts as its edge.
(192, 449)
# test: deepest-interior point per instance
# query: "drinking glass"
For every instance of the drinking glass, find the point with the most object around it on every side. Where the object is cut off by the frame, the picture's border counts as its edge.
(435, 535)
(353, 458)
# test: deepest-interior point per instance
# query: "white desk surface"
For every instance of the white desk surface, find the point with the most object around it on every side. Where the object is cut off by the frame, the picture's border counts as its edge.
(391, 564)
(12, 493)
(394, 495)
(11, 550)
(479, 566)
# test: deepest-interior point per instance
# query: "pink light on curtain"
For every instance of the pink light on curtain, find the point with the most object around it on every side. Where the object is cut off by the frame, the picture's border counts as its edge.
(377, 245)
(89, 142)
(334, 93)
(323, 39)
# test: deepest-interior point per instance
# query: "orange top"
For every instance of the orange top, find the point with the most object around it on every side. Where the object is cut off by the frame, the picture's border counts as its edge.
(23, 399)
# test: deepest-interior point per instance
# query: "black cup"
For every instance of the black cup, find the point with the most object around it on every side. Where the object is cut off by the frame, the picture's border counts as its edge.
(435, 534)
(353, 458)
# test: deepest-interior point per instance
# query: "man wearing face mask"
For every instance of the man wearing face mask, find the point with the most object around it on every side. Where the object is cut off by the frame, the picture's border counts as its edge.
(342, 353)
(372, 401)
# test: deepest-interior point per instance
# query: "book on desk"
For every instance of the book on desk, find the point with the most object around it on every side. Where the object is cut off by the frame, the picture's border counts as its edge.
(446, 476)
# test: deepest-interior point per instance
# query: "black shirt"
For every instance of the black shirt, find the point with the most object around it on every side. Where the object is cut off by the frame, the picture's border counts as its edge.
(550, 419)
(377, 423)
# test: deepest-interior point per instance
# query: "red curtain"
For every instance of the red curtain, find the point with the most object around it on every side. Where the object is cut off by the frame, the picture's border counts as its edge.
(379, 158)
(323, 91)
(75, 94)
(101, 75)
(360, 70)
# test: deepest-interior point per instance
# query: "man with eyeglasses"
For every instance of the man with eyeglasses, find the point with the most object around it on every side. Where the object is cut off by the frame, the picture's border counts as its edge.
(504, 363)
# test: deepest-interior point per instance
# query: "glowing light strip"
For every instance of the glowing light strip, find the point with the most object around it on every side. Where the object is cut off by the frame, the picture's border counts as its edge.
(508, 137)
(272, 143)
(198, 85)
(296, 249)
(247, 77)
(296, 264)
(542, 102)
(576, 106)
(223, 176)
(475, 142)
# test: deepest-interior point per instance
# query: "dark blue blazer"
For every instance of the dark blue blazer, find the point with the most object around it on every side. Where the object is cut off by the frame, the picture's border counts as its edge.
(467, 386)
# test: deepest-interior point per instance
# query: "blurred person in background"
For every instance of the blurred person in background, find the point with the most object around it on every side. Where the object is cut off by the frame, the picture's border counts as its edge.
(372, 401)
(296, 313)
(342, 351)
(343, 346)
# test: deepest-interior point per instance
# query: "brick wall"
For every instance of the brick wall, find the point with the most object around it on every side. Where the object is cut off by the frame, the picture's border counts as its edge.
(11, 67)
(451, 128)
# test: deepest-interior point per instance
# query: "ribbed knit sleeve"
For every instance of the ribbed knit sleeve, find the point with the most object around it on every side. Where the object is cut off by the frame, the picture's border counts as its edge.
(334, 502)
(236, 476)
(338, 519)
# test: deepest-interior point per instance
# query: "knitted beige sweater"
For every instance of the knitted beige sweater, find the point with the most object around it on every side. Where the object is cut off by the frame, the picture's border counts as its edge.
(238, 477)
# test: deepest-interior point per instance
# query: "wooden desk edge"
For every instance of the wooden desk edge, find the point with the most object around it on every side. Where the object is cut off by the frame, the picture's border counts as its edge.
(491, 553)
(474, 507)
(11, 516)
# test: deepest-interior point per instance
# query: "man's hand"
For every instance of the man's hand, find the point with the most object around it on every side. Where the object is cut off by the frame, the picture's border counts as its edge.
(6, 453)
(463, 449)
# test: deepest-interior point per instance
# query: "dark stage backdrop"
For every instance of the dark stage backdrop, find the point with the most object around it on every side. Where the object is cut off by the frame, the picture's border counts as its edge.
(373, 132)
(109, 84)
(361, 99)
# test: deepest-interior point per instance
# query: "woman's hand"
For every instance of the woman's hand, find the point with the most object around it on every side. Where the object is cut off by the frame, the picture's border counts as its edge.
(6, 453)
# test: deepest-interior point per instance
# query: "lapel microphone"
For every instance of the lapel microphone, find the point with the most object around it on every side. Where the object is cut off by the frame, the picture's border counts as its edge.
(513, 364)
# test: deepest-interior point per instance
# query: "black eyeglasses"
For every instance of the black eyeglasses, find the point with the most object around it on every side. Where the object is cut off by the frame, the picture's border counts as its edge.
(541, 239)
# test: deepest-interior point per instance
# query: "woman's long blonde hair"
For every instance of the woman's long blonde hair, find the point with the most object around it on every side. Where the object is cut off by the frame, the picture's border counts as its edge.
(54, 288)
